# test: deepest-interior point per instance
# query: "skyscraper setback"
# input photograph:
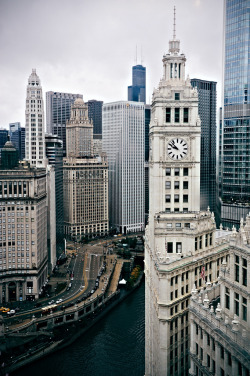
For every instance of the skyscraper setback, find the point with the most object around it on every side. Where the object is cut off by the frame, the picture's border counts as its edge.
(137, 92)
(235, 156)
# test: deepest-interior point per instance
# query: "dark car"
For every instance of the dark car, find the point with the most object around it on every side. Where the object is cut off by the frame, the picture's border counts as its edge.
(38, 305)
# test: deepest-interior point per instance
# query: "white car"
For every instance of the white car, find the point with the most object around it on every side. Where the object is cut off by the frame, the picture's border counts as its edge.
(51, 302)
(59, 301)
(11, 312)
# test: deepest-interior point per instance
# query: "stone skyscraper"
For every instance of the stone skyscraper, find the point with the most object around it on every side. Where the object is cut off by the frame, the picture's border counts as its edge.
(23, 243)
(79, 131)
(34, 125)
(85, 178)
(179, 239)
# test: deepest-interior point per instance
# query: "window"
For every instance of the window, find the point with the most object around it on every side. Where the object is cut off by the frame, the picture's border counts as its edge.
(187, 225)
(177, 115)
(177, 96)
(237, 269)
(185, 185)
(244, 309)
(168, 171)
(168, 115)
(196, 243)
(169, 225)
(167, 198)
(169, 247)
(206, 240)
(185, 115)
(227, 298)
(177, 172)
(244, 272)
(185, 171)
(200, 242)
(176, 198)
(178, 225)
(178, 247)
(176, 210)
(185, 198)
(236, 304)
(176, 185)
(168, 184)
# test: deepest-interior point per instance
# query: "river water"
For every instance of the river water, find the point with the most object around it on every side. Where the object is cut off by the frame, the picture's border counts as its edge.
(113, 347)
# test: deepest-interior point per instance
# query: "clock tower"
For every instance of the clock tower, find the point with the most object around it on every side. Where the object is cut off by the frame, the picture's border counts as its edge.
(178, 237)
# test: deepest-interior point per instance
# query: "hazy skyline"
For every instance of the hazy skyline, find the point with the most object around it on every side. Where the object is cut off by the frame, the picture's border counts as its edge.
(89, 47)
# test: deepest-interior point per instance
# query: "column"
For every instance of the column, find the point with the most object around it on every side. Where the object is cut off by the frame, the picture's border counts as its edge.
(234, 366)
(17, 291)
(217, 359)
(204, 345)
(6, 292)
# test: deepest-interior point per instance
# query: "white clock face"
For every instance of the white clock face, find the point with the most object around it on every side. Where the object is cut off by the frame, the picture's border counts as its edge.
(177, 148)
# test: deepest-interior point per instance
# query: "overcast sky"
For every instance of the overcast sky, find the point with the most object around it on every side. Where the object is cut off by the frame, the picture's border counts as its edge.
(89, 46)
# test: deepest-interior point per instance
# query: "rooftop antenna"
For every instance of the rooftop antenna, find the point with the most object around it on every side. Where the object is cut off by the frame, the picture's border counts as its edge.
(141, 56)
(174, 35)
(136, 55)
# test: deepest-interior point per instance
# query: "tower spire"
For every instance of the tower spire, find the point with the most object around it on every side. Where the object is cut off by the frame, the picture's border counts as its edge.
(174, 44)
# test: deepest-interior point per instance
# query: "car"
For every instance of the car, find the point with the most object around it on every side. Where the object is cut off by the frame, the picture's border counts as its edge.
(78, 301)
(11, 312)
(59, 301)
(4, 310)
(92, 291)
(51, 302)
(38, 305)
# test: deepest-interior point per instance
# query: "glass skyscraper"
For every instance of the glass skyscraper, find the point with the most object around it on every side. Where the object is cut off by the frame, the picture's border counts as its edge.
(207, 111)
(235, 137)
(58, 110)
(137, 92)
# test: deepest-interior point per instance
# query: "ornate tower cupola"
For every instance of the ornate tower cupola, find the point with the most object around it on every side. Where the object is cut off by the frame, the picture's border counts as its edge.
(174, 62)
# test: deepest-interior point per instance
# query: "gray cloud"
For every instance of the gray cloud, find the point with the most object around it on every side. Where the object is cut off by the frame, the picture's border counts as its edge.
(89, 47)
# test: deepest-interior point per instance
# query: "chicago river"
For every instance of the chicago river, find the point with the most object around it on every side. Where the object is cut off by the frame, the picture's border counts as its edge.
(114, 346)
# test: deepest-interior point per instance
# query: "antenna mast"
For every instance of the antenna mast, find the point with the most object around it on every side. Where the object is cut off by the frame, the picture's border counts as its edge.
(174, 35)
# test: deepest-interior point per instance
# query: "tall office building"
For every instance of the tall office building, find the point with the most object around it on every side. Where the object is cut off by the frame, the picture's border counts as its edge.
(207, 112)
(34, 126)
(137, 92)
(235, 190)
(3, 138)
(17, 137)
(58, 110)
(23, 244)
(85, 179)
(54, 153)
(179, 238)
(95, 115)
(123, 141)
